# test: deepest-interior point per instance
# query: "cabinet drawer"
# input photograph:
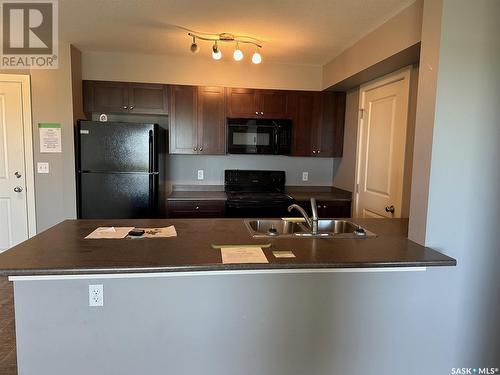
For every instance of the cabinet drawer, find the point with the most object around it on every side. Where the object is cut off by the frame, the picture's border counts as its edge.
(195, 209)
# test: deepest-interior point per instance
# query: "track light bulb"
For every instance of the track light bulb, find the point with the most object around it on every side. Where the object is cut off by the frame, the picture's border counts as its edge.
(238, 54)
(216, 53)
(194, 47)
(256, 58)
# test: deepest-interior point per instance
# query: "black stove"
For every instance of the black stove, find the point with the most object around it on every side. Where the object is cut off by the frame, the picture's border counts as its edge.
(256, 193)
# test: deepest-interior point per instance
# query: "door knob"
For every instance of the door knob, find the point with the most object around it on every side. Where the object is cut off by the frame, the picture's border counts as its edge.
(17, 174)
(18, 189)
(389, 209)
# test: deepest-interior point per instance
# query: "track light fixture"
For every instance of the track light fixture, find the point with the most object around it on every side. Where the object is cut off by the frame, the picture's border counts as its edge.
(227, 38)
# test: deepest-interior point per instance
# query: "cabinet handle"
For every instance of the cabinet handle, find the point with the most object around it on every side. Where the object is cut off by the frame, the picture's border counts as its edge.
(131, 107)
(256, 112)
(314, 151)
(324, 206)
(200, 149)
(319, 151)
(125, 107)
(262, 113)
(197, 208)
(195, 148)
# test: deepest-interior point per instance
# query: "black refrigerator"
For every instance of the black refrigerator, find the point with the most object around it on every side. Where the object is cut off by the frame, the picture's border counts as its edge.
(120, 170)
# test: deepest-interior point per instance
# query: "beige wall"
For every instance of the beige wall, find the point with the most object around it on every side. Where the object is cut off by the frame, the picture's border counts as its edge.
(198, 70)
(345, 176)
(400, 32)
(51, 101)
(424, 123)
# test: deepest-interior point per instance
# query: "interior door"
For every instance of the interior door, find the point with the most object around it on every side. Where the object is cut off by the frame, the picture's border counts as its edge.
(381, 146)
(13, 199)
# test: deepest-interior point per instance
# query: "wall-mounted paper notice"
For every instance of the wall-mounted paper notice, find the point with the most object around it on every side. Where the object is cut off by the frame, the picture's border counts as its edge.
(243, 254)
(50, 137)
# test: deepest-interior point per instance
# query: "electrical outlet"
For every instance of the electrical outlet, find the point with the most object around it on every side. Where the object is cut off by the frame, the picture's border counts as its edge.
(200, 174)
(42, 167)
(96, 295)
(305, 176)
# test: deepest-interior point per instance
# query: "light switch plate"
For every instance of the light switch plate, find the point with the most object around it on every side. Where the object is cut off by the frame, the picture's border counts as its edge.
(42, 167)
(200, 174)
(305, 176)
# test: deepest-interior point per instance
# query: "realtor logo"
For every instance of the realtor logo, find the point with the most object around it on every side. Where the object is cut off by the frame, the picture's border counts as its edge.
(29, 34)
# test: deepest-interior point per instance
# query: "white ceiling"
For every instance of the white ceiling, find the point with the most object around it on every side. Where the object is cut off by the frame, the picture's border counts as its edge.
(308, 32)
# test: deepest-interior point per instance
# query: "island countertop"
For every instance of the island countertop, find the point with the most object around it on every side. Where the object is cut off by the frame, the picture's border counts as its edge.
(62, 249)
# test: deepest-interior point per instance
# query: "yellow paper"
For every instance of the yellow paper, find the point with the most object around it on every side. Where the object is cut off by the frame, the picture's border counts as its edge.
(109, 232)
(231, 255)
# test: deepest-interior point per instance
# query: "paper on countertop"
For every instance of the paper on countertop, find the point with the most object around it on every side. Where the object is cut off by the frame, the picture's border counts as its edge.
(283, 254)
(109, 232)
(157, 232)
(243, 254)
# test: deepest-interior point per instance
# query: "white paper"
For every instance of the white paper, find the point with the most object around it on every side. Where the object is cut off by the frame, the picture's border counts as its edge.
(283, 254)
(50, 138)
(109, 232)
(243, 254)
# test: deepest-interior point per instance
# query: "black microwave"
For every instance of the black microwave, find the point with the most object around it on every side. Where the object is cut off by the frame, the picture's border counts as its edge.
(267, 137)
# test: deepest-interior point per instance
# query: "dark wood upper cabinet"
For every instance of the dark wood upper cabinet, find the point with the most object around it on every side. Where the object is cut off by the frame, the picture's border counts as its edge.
(124, 97)
(274, 104)
(252, 103)
(197, 121)
(211, 121)
(241, 103)
(106, 97)
(318, 123)
(183, 122)
(148, 98)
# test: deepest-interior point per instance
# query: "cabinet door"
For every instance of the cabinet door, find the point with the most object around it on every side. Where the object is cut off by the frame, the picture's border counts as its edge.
(106, 97)
(211, 121)
(242, 103)
(305, 123)
(148, 99)
(334, 209)
(330, 134)
(195, 209)
(182, 120)
(273, 104)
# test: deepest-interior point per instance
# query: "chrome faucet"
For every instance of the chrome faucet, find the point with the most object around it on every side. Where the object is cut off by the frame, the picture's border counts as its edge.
(312, 222)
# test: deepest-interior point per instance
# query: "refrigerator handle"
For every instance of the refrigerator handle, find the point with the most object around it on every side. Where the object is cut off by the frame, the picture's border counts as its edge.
(151, 152)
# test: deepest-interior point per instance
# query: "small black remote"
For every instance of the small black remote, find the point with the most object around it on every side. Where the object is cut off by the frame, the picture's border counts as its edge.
(136, 232)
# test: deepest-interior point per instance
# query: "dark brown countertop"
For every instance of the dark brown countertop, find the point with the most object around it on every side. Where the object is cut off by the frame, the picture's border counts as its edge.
(299, 193)
(63, 249)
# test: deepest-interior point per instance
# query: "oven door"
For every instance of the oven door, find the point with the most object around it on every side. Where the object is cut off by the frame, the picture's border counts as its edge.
(251, 139)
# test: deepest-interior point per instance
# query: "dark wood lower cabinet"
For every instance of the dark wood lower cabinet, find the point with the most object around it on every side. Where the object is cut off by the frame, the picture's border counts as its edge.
(328, 209)
(195, 209)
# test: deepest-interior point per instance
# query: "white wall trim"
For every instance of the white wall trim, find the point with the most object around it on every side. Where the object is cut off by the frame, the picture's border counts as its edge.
(25, 81)
(398, 75)
(214, 273)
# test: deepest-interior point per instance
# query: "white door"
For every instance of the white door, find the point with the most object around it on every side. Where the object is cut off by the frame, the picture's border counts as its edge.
(381, 146)
(14, 217)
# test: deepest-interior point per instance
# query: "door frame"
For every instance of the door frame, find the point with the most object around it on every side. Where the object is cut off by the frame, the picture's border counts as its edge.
(398, 75)
(25, 81)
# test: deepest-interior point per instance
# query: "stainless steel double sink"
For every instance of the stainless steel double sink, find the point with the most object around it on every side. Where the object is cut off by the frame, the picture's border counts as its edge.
(296, 228)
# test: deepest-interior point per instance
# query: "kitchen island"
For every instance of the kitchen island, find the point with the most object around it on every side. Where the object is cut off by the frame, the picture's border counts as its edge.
(171, 306)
